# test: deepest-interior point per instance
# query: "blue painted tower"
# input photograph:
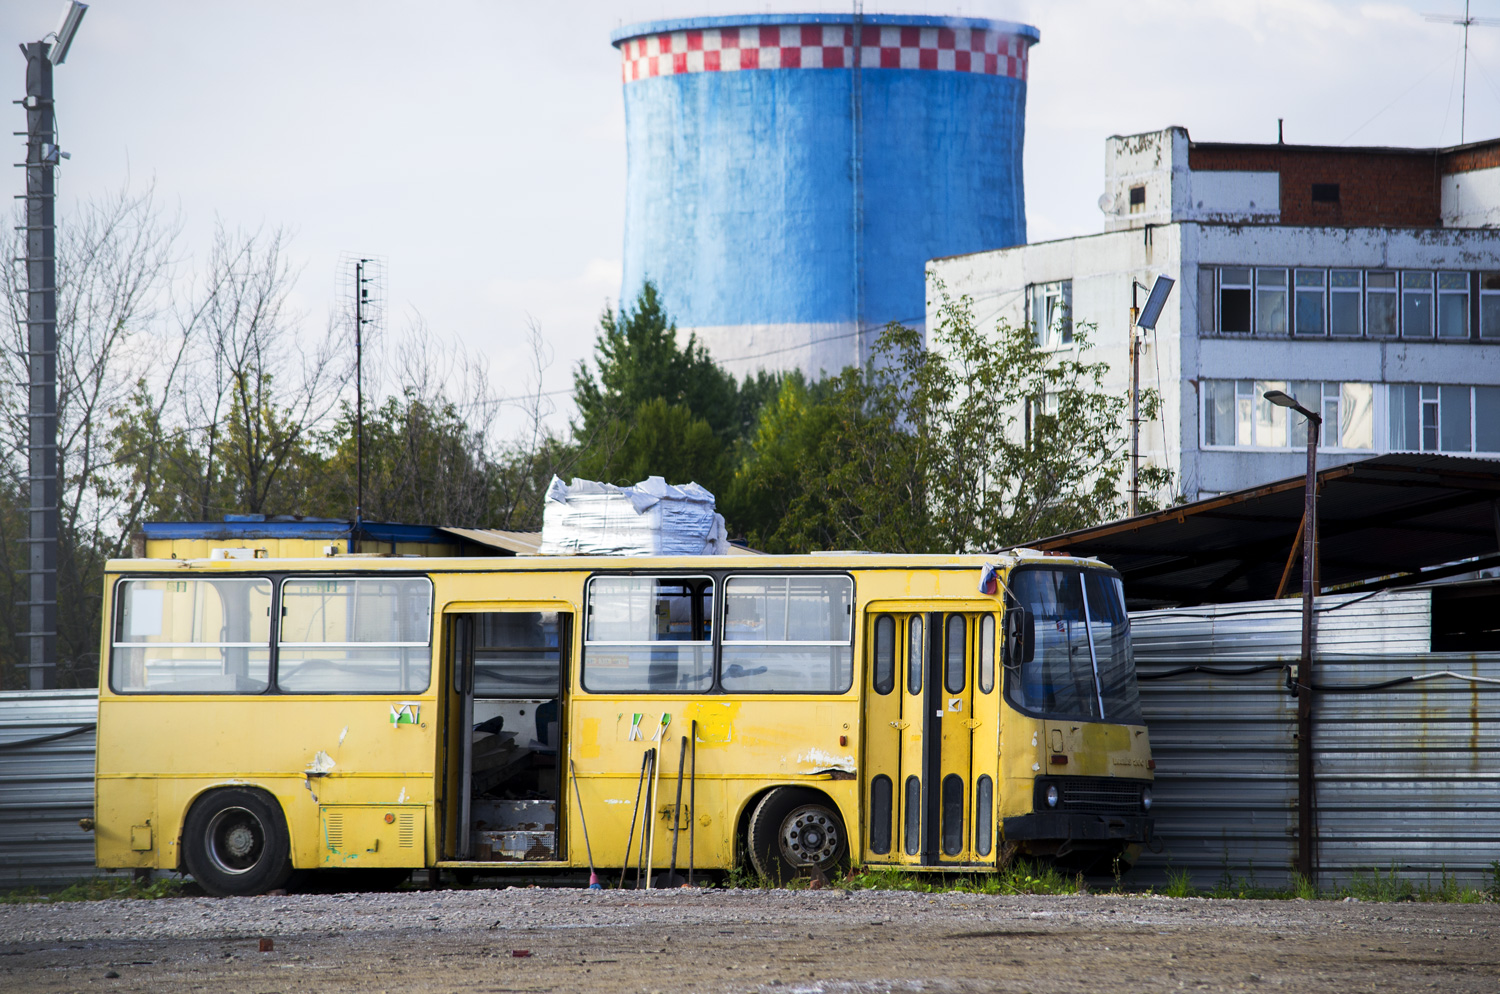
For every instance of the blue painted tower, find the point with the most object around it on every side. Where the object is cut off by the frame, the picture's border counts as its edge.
(786, 184)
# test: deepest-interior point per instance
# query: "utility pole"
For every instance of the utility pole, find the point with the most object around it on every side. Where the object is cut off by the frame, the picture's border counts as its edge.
(361, 297)
(1135, 403)
(41, 346)
(1142, 320)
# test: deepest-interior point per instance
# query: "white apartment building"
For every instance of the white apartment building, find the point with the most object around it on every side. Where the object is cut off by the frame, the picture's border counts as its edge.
(1363, 281)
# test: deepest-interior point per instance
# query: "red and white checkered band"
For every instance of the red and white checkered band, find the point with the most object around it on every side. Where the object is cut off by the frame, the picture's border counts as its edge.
(825, 46)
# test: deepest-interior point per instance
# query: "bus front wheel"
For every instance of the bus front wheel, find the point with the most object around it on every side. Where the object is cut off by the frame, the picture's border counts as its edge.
(793, 831)
(235, 843)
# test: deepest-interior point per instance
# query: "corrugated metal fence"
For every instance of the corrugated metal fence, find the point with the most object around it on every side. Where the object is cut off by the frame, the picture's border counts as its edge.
(46, 785)
(1406, 777)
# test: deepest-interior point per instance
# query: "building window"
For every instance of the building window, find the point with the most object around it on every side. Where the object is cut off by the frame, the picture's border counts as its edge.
(1237, 415)
(1206, 299)
(1137, 199)
(1380, 305)
(1350, 303)
(1308, 308)
(1344, 317)
(1424, 417)
(1489, 306)
(1453, 305)
(1325, 193)
(1234, 300)
(1270, 302)
(1416, 305)
(1052, 313)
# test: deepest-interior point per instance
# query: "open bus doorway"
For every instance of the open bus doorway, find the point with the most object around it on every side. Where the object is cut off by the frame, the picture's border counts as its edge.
(511, 779)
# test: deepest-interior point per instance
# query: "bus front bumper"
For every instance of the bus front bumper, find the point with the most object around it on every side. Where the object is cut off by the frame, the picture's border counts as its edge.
(1077, 826)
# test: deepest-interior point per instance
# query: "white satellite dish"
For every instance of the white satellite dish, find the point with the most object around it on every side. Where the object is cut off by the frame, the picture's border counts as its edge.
(1106, 203)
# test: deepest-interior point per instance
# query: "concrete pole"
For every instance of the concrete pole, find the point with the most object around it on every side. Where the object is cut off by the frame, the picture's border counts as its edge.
(41, 346)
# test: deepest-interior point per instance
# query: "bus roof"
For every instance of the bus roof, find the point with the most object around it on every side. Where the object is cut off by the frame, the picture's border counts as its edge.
(523, 564)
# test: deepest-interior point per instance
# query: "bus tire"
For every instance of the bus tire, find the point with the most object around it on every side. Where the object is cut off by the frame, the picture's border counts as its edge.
(235, 843)
(794, 831)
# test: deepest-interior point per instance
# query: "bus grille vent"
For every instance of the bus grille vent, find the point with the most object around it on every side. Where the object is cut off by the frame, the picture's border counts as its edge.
(1102, 794)
(406, 830)
(335, 830)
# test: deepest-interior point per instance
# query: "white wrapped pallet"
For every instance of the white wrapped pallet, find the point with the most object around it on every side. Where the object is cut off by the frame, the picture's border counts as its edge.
(652, 518)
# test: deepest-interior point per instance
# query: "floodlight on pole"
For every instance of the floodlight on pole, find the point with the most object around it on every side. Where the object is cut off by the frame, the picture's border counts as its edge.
(1143, 318)
(1156, 302)
(66, 29)
(1303, 688)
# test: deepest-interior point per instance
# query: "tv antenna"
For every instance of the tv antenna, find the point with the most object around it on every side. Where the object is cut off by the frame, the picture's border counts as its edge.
(363, 279)
(1466, 21)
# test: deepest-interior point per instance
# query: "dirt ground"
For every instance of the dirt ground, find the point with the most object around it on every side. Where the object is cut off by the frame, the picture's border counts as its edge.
(741, 941)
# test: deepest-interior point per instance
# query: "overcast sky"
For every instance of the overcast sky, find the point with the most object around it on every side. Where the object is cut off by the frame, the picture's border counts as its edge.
(479, 147)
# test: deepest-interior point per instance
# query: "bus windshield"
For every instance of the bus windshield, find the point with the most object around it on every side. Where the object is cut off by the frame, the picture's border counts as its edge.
(1080, 666)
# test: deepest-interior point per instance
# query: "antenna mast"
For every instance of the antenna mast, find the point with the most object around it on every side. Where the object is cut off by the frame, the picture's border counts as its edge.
(369, 310)
(1465, 23)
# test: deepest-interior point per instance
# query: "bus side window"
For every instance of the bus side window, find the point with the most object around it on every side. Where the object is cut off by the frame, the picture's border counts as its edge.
(649, 634)
(885, 654)
(342, 635)
(192, 636)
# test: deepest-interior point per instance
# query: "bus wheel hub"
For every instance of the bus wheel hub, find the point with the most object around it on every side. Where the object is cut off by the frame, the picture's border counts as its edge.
(809, 836)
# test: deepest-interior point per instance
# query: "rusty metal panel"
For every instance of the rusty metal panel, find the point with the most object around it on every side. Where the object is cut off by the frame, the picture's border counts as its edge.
(1225, 797)
(46, 787)
(1407, 777)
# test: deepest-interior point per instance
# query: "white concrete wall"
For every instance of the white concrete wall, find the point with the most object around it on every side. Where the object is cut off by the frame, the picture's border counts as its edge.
(1102, 267)
(1232, 196)
(1472, 199)
(1156, 160)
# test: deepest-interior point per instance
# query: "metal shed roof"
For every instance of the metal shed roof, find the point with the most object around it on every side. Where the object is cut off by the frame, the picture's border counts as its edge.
(1387, 520)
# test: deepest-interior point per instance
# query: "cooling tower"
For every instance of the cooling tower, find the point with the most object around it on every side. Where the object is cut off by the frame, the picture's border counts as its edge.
(786, 185)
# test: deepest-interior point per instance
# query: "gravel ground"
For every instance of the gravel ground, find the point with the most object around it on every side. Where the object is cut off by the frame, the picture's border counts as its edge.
(764, 941)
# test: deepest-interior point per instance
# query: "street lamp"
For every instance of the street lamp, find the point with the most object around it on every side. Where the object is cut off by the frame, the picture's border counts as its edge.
(1304, 686)
(1146, 320)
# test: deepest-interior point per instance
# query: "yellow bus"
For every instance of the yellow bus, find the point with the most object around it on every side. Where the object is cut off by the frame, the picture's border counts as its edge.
(781, 714)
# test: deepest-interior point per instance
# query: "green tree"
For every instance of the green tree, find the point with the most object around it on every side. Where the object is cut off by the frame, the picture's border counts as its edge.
(982, 441)
(639, 359)
(654, 407)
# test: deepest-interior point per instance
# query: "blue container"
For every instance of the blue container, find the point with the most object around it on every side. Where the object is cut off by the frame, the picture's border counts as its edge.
(786, 201)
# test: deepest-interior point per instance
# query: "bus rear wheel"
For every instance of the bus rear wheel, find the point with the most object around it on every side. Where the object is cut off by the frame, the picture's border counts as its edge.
(235, 843)
(795, 831)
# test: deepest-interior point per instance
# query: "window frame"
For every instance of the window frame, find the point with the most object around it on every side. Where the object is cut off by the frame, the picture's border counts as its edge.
(1358, 293)
(278, 617)
(1297, 292)
(1248, 287)
(1464, 292)
(1487, 293)
(1046, 336)
(712, 643)
(276, 578)
(1210, 385)
(720, 578)
(1415, 293)
(719, 627)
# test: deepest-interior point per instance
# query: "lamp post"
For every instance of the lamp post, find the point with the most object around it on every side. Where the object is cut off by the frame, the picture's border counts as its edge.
(1141, 320)
(1304, 685)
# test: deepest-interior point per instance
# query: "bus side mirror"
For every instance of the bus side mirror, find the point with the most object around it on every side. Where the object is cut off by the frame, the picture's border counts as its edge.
(1020, 636)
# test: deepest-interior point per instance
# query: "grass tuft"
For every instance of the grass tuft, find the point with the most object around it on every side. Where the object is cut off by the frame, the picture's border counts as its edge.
(98, 889)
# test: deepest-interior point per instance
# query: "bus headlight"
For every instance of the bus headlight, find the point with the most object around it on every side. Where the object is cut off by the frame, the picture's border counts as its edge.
(1052, 795)
(1145, 798)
